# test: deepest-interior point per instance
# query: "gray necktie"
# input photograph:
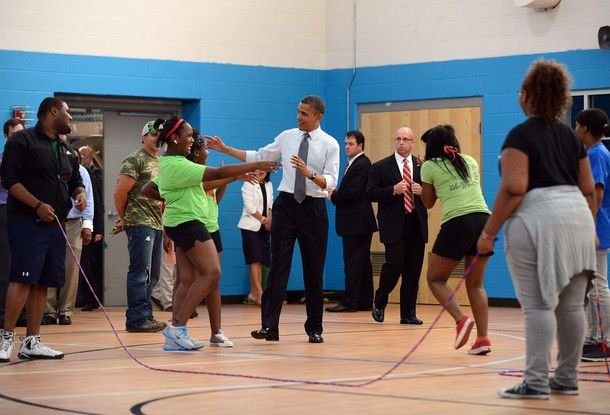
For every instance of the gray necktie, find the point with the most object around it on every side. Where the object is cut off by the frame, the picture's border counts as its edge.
(299, 180)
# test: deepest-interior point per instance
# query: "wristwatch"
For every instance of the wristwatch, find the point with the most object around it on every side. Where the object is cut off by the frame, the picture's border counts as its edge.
(313, 176)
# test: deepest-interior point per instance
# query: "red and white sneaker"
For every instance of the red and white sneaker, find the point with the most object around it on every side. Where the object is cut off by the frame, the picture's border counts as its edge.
(481, 346)
(464, 326)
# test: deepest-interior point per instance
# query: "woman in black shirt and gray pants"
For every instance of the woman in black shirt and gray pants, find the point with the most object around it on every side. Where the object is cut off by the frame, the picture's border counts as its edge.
(546, 197)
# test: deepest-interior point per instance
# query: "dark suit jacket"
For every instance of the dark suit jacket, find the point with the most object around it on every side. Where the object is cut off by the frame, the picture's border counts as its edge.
(390, 208)
(354, 215)
(98, 199)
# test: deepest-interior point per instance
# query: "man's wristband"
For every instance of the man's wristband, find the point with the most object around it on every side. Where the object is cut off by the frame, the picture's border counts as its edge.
(40, 202)
(313, 176)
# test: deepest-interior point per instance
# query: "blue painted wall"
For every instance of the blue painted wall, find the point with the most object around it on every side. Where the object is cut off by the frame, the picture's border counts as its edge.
(496, 80)
(249, 105)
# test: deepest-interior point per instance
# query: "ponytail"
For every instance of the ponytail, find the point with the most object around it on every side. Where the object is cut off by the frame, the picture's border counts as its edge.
(169, 127)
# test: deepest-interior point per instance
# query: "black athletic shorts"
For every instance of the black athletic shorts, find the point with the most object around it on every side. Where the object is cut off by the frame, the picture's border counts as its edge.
(185, 234)
(458, 236)
(217, 241)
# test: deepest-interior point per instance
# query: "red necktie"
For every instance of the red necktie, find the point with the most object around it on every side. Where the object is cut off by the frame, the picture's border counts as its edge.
(408, 195)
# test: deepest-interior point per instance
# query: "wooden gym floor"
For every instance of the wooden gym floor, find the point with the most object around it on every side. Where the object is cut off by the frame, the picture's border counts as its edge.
(97, 376)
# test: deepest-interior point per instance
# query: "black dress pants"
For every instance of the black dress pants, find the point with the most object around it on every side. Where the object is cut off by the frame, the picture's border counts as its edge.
(358, 272)
(92, 262)
(306, 222)
(406, 257)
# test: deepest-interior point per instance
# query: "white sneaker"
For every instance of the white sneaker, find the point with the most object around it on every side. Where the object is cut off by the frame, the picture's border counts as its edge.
(33, 348)
(171, 346)
(180, 336)
(7, 342)
(220, 340)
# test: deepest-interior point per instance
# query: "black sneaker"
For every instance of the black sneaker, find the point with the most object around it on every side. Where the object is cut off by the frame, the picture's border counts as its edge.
(596, 354)
(561, 389)
(522, 391)
(589, 347)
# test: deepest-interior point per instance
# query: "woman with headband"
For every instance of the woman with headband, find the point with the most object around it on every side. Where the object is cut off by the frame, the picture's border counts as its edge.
(454, 178)
(180, 185)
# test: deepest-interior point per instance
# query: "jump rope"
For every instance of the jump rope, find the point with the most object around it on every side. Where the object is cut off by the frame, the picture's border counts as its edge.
(516, 373)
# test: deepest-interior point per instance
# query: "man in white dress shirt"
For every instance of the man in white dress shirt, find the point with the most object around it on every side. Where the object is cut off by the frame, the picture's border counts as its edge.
(310, 159)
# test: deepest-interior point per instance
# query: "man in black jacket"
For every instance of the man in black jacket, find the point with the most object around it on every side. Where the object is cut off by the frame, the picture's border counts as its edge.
(394, 184)
(355, 223)
(41, 175)
(92, 258)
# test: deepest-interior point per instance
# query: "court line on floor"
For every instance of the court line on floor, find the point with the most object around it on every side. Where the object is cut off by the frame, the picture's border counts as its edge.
(250, 386)
(109, 368)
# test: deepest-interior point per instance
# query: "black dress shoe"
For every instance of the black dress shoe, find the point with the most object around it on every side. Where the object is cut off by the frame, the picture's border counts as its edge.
(47, 320)
(378, 314)
(89, 307)
(340, 308)
(411, 320)
(266, 333)
(316, 338)
(64, 320)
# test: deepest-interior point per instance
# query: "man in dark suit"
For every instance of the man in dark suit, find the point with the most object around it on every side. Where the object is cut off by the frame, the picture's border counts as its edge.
(92, 258)
(355, 223)
(394, 183)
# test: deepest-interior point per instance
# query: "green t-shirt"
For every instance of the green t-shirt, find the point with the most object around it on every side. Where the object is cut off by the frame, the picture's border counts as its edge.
(180, 184)
(458, 197)
(140, 210)
(211, 222)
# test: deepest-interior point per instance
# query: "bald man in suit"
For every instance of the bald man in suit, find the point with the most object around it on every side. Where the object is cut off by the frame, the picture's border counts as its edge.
(394, 184)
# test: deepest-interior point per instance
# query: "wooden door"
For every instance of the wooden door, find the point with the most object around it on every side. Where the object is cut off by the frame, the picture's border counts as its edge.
(380, 128)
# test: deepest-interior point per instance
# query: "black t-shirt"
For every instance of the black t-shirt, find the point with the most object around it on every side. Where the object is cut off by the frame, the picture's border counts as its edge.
(553, 154)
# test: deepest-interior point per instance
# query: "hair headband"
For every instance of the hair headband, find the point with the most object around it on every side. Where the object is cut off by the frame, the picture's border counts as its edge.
(173, 130)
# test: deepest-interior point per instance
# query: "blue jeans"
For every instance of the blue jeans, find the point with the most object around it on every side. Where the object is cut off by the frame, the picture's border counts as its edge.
(145, 246)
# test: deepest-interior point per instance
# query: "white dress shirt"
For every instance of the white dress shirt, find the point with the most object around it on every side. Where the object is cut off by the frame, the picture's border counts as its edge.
(322, 157)
(87, 213)
(400, 160)
(351, 160)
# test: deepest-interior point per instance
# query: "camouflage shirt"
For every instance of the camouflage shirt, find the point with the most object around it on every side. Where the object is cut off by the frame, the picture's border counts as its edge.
(141, 210)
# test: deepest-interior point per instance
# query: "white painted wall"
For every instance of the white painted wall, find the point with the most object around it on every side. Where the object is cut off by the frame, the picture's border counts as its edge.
(281, 33)
(409, 31)
(316, 34)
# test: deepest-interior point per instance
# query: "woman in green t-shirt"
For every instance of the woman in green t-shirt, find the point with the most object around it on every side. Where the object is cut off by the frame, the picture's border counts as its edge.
(453, 178)
(214, 191)
(179, 183)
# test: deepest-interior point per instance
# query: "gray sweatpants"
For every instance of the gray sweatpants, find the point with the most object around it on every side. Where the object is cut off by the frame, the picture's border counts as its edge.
(542, 323)
(600, 293)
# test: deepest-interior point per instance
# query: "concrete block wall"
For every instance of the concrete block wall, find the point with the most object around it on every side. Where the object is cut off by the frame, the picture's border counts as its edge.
(496, 80)
(242, 66)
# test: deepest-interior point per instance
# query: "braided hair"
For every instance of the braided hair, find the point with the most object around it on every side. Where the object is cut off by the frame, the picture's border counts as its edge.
(441, 143)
